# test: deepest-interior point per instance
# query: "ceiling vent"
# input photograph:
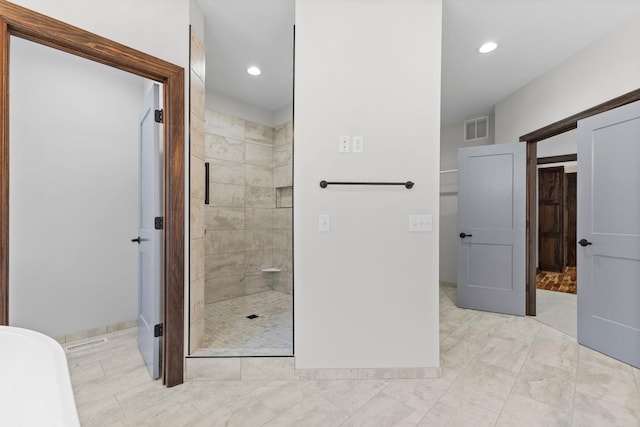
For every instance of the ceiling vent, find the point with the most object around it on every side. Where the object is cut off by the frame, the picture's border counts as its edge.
(475, 129)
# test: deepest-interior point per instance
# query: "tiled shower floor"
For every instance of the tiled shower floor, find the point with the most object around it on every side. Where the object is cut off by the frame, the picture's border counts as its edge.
(228, 331)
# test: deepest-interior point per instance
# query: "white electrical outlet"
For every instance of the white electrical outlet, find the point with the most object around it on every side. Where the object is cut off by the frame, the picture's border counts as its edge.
(420, 222)
(344, 146)
(324, 222)
(357, 143)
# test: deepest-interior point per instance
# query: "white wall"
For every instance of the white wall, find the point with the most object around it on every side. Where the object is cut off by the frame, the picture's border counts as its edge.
(608, 68)
(73, 189)
(366, 293)
(196, 18)
(157, 27)
(452, 139)
(565, 143)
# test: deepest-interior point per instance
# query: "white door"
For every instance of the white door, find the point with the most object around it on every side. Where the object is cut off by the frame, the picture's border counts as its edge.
(150, 235)
(608, 254)
(491, 227)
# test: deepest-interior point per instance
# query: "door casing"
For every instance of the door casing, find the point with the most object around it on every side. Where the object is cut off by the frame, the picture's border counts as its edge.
(27, 24)
(531, 139)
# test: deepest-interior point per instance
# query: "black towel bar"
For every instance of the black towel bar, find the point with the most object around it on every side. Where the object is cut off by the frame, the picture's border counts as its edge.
(408, 185)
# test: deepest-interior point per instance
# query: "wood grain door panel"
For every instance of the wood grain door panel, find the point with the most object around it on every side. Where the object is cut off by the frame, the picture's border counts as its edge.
(551, 237)
(571, 201)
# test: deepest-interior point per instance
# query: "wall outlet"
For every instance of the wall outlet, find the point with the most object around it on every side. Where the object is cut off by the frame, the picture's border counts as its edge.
(357, 143)
(420, 222)
(344, 145)
(324, 222)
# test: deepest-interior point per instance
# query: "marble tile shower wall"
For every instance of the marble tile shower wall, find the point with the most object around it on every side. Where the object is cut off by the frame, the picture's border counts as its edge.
(196, 211)
(244, 231)
(282, 216)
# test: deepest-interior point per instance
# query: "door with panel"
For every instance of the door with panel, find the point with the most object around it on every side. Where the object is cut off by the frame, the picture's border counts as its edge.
(492, 228)
(608, 223)
(150, 280)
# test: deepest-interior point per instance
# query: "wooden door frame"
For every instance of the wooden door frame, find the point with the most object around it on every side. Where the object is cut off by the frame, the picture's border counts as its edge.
(531, 139)
(27, 24)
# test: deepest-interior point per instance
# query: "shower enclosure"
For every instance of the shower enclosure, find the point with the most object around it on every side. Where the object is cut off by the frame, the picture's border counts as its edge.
(248, 238)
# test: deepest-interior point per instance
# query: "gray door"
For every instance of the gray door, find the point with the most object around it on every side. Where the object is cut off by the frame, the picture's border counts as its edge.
(149, 238)
(491, 227)
(609, 223)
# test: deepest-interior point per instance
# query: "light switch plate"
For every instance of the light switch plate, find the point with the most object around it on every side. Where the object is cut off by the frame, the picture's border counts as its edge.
(324, 222)
(420, 223)
(357, 144)
(344, 145)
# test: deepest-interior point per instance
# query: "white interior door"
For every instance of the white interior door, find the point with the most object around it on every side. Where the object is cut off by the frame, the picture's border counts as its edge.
(608, 254)
(150, 235)
(491, 227)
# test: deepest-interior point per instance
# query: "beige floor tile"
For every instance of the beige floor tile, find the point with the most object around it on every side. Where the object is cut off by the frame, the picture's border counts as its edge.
(484, 380)
(555, 350)
(411, 420)
(209, 396)
(380, 411)
(350, 395)
(83, 372)
(282, 395)
(142, 396)
(608, 380)
(165, 413)
(507, 353)
(237, 414)
(558, 310)
(313, 411)
(419, 394)
(91, 391)
(522, 411)
(452, 410)
(593, 411)
(101, 412)
(545, 384)
(485, 385)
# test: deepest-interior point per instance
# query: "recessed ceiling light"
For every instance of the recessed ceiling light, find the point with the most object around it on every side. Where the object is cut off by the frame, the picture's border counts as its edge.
(254, 71)
(488, 47)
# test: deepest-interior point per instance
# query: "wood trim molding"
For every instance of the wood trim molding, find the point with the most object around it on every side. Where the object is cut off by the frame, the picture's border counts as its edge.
(21, 22)
(532, 211)
(571, 122)
(557, 159)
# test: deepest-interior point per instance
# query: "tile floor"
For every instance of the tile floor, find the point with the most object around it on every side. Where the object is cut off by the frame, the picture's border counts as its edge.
(558, 310)
(497, 370)
(228, 332)
(560, 282)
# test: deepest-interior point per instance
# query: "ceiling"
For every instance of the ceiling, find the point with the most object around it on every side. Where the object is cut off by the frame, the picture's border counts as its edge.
(533, 36)
(241, 33)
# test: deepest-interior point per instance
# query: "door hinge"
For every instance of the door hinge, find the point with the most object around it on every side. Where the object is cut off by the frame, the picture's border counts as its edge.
(526, 287)
(527, 224)
(157, 330)
(159, 116)
(158, 223)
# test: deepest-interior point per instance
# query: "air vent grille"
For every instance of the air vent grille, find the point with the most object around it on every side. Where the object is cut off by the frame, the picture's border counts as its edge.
(85, 344)
(475, 129)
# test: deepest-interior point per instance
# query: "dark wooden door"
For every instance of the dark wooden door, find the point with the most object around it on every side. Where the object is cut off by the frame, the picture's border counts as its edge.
(571, 192)
(551, 238)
